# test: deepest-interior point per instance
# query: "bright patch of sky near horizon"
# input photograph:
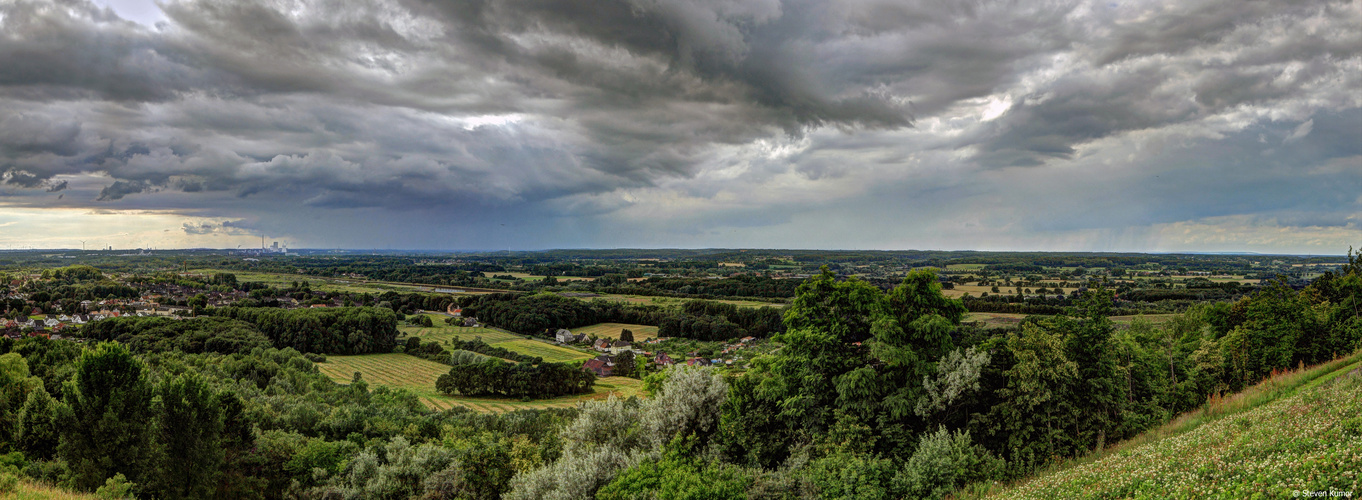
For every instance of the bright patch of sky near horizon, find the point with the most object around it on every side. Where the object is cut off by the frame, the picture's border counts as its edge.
(1202, 125)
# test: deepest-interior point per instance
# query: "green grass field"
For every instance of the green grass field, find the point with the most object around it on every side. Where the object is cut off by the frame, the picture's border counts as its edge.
(1296, 432)
(674, 301)
(418, 376)
(549, 352)
(612, 330)
(442, 333)
(316, 283)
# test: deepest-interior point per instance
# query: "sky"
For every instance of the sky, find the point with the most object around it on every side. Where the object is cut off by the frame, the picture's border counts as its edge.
(1148, 126)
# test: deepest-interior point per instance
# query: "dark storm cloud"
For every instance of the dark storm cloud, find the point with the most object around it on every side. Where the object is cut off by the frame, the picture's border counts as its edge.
(209, 227)
(568, 108)
(119, 189)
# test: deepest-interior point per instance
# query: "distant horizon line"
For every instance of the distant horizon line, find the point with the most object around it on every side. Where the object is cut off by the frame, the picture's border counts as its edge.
(268, 250)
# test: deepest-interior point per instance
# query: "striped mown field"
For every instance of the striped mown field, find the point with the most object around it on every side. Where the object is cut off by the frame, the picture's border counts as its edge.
(612, 330)
(442, 333)
(418, 376)
(544, 350)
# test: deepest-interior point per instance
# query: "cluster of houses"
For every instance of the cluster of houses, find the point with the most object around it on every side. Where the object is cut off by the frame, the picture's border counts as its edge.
(48, 326)
(603, 365)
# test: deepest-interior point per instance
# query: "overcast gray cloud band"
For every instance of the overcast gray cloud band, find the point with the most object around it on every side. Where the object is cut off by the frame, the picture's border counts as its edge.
(674, 118)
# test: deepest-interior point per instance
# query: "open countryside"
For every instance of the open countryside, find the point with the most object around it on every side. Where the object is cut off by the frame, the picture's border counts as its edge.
(443, 334)
(418, 376)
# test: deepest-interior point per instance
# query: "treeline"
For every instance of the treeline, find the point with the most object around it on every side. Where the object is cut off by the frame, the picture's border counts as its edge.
(698, 319)
(437, 353)
(743, 285)
(193, 336)
(331, 330)
(535, 314)
(490, 377)
(1194, 294)
(710, 320)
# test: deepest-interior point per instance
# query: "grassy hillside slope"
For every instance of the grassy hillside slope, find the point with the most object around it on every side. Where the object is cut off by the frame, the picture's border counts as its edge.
(1297, 432)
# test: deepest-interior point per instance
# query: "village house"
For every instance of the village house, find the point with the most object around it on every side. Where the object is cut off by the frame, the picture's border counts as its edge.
(601, 345)
(598, 367)
(663, 359)
(564, 336)
(620, 346)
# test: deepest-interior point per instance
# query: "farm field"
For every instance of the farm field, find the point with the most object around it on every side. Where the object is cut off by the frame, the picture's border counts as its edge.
(418, 376)
(976, 290)
(442, 333)
(533, 277)
(994, 320)
(549, 352)
(317, 283)
(612, 330)
(350, 285)
(1305, 441)
(674, 301)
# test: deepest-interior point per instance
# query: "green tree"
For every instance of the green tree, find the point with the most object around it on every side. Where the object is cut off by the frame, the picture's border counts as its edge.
(627, 335)
(1099, 393)
(15, 386)
(37, 433)
(190, 438)
(1032, 412)
(105, 419)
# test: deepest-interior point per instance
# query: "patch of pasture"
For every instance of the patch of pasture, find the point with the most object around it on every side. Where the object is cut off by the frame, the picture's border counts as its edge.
(544, 350)
(418, 376)
(612, 330)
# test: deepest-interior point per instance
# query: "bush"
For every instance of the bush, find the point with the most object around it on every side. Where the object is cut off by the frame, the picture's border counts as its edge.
(115, 488)
(9, 483)
(945, 461)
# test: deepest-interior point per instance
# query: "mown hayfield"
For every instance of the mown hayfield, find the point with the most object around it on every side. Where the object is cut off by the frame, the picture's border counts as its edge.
(993, 320)
(1152, 318)
(965, 267)
(612, 330)
(673, 301)
(535, 277)
(1307, 440)
(418, 376)
(392, 369)
(318, 283)
(549, 352)
(442, 332)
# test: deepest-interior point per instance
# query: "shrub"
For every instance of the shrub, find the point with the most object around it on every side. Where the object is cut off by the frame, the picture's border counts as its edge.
(945, 461)
(8, 482)
(115, 488)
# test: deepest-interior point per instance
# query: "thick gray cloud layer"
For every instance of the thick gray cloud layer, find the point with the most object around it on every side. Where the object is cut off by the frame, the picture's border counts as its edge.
(541, 123)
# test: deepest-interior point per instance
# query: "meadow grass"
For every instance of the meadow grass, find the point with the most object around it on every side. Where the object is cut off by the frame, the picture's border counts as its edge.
(29, 490)
(1297, 430)
(401, 371)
